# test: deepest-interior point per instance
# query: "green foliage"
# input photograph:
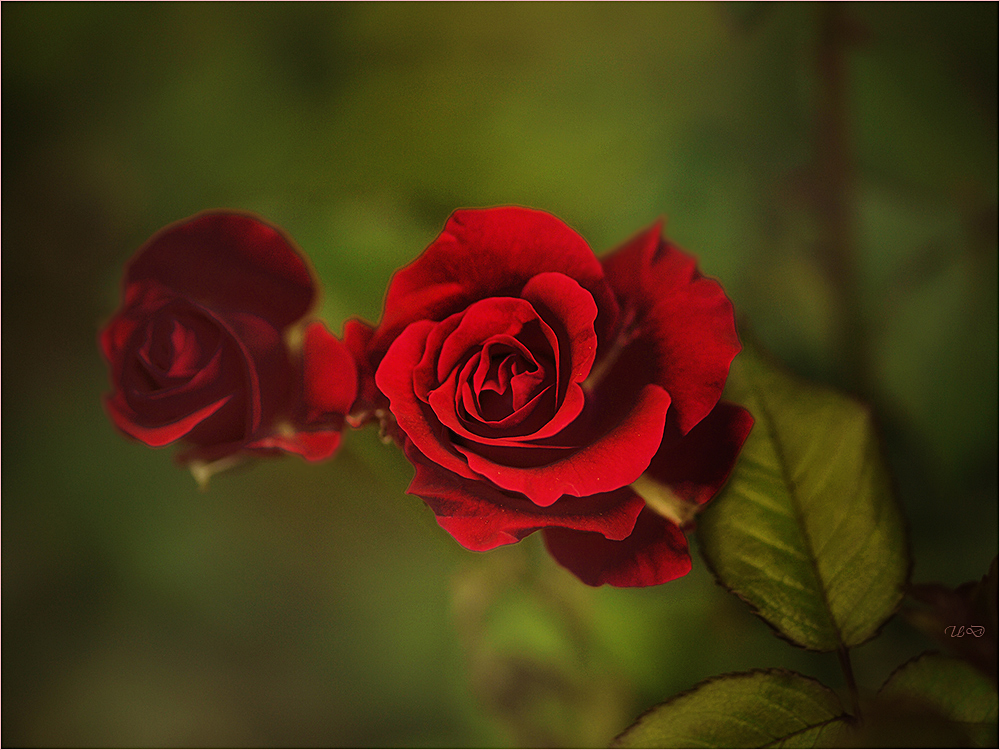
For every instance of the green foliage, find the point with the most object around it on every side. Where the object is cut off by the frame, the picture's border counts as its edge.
(951, 688)
(295, 605)
(768, 708)
(807, 530)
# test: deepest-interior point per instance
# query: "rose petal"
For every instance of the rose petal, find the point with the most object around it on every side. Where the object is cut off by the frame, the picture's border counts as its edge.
(603, 464)
(447, 408)
(155, 405)
(490, 253)
(696, 465)
(179, 350)
(329, 373)
(425, 373)
(114, 339)
(163, 401)
(395, 378)
(655, 552)
(481, 517)
(490, 320)
(227, 261)
(488, 414)
(685, 317)
(369, 400)
(128, 421)
(575, 309)
(311, 445)
(570, 309)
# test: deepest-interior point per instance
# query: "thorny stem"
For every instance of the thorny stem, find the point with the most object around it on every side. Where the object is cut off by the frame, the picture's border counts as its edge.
(833, 183)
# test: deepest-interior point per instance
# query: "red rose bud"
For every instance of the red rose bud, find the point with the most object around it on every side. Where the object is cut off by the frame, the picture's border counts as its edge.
(532, 384)
(198, 352)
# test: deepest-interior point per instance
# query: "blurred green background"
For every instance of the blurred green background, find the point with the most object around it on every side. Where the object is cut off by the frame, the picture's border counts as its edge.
(835, 169)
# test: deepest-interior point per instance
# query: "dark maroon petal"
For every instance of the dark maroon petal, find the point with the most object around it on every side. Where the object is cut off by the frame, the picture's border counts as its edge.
(114, 339)
(602, 464)
(162, 400)
(254, 372)
(266, 370)
(369, 400)
(134, 424)
(329, 374)
(655, 552)
(502, 322)
(329, 387)
(176, 369)
(490, 253)
(315, 445)
(395, 378)
(696, 465)
(357, 335)
(496, 385)
(227, 261)
(682, 316)
(482, 517)
(505, 324)
(180, 348)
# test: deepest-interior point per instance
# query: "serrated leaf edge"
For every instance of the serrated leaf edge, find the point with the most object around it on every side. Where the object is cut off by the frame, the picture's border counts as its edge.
(753, 349)
(775, 671)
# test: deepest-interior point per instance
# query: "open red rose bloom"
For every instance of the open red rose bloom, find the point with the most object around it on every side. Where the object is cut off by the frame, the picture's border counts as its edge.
(532, 384)
(198, 350)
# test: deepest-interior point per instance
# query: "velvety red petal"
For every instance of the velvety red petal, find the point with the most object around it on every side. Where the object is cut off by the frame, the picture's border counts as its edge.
(395, 377)
(575, 310)
(114, 338)
(266, 369)
(260, 376)
(482, 517)
(153, 400)
(490, 253)
(369, 399)
(483, 321)
(131, 423)
(227, 261)
(329, 373)
(697, 464)
(442, 402)
(654, 553)
(489, 321)
(684, 317)
(606, 463)
(312, 446)
(425, 373)
(166, 401)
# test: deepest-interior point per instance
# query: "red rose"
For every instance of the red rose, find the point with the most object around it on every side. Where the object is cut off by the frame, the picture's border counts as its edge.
(198, 352)
(532, 384)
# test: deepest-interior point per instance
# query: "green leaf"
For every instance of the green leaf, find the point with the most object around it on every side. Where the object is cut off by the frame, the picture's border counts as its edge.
(762, 708)
(807, 530)
(951, 687)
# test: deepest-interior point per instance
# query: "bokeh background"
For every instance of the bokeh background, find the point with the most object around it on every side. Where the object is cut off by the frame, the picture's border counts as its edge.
(834, 166)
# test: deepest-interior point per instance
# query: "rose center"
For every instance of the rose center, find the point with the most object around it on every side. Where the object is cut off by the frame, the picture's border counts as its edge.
(176, 347)
(509, 383)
